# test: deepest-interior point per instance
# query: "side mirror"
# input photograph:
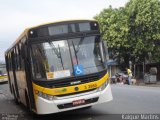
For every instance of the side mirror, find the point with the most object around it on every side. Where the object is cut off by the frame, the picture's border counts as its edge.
(104, 44)
(105, 49)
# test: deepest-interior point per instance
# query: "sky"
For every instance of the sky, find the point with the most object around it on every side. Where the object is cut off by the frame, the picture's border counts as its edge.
(17, 15)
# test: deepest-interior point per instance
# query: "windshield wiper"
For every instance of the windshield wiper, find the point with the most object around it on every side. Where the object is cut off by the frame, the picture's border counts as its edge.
(58, 53)
(61, 57)
(75, 52)
(80, 42)
(54, 49)
(78, 48)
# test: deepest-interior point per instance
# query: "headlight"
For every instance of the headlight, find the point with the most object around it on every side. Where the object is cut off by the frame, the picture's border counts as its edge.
(45, 96)
(103, 86)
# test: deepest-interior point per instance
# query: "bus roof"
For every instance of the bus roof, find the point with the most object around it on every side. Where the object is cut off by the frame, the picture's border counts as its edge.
(24, 33)
(63, 21)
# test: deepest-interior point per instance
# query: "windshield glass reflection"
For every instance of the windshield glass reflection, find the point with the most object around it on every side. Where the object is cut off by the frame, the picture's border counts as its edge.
(66, 58)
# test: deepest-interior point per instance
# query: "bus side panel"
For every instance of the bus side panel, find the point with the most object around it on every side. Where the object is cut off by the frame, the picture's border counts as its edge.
(22, 85)
(27, 76)
(13, 83)
(11, 79)
(14, 76)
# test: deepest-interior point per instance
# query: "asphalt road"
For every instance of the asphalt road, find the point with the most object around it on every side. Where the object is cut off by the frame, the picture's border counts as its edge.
(127, 100)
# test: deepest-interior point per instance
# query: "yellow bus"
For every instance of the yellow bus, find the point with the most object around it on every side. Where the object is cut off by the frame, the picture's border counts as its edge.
(3, 78)
(3, 75)
(58, 67)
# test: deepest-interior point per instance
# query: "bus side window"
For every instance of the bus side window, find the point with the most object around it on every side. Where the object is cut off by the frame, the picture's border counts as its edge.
(14, 59)
(19, 56)
(14, 55)
(9, 60)
(22, 55)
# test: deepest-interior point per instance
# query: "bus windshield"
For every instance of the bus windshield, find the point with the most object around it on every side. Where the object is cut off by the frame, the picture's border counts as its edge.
(67, 58)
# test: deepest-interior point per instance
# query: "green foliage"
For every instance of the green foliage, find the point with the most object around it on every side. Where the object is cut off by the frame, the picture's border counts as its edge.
(131, 30)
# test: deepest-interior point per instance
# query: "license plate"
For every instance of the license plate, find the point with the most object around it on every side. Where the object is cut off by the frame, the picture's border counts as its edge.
(78, 102)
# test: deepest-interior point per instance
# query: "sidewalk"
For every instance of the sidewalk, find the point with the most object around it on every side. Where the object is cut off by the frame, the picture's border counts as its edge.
(141, 83)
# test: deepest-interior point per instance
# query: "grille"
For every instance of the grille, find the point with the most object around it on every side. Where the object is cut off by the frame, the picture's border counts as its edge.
(70, 105)
(83, 79)
(66, 82)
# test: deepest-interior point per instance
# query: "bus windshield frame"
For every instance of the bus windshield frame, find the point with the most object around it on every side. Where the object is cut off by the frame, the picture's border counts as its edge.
(54, 60)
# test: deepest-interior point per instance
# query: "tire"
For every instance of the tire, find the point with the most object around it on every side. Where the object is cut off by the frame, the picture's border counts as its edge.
(28, 107)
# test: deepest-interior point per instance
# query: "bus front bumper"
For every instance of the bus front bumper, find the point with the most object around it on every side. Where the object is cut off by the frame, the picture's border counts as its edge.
(44, 106)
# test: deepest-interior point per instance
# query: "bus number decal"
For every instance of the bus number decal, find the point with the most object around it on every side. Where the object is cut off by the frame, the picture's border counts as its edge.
(90, 86)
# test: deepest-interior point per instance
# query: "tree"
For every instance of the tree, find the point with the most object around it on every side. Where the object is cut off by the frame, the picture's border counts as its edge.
(144, 27)
(115, 31)
(130, 31)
